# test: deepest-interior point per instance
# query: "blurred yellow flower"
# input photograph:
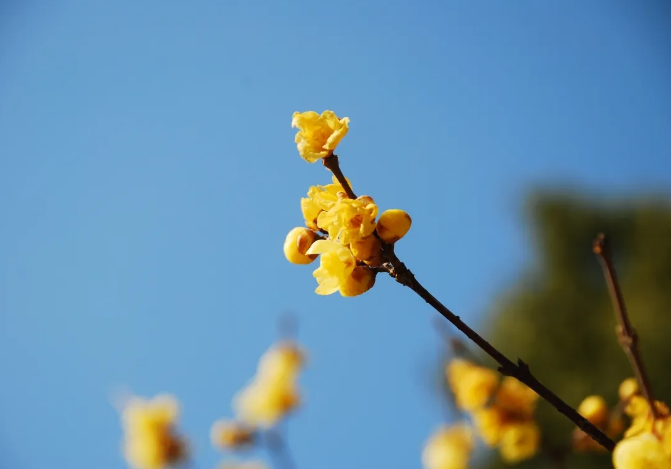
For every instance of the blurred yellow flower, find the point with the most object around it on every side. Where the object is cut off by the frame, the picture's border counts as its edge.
(227, 434)
(516, 397)
(628, 389)
(336, 265)
(594, 409)
(472, 385)
(281, 363)
(520, 441)
(644, 451)
(150, 440)
(393, 225)
(318, 135)
(489, 423)
(448, 448)
(273, 392)
(349, 220)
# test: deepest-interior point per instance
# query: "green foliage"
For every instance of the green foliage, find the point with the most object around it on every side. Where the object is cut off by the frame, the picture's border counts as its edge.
(558, 316)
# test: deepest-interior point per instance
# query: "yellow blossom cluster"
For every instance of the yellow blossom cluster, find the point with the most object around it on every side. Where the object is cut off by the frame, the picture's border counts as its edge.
(269, 396)
(150, 440)
(449, 448)
(346, 232)
(502, 410)
(647, 442)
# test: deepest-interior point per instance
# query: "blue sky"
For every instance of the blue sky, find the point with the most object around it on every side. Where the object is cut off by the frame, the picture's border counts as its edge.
(148, 177)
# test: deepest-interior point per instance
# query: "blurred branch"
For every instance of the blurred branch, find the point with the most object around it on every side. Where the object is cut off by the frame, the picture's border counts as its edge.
(626, 334)
(278, 450)
(519, 370)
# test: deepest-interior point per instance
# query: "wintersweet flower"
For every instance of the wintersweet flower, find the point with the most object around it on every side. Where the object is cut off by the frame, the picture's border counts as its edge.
(448, 448)
(263, 404)
(519, 441)
(628, 388)
(150, 440)
(318, 135)
(368, 250)
(273, 391)
(282, 363)
(336, 265)
(359, 282)
(516, 397)
(644, 451)
(320, 198)
(594, 409)
(490, 423)
(349, 220)
(471, 384)
(393, 225)
(227, 434)
(296, 244)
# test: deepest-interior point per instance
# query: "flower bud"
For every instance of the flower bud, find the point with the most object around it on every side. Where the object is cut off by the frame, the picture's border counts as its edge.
(628, 388)
(393, 225)
(297, 243)
(231, 435)
(368, 249)
(360, 281)
(594, 409)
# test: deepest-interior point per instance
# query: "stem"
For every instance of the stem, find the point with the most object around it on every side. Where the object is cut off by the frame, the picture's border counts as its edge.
(519, 370)
(626, 334)
(279, 451)
(332, 164)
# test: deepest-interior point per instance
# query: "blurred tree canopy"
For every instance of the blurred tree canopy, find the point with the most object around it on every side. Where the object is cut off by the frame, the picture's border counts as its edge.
(558, 317)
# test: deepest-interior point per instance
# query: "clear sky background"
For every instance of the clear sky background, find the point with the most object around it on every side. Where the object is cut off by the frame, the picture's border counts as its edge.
(148, 176)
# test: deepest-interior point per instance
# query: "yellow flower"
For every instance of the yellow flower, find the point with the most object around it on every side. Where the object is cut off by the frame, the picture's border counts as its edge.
(317, 135)
(490, 423)
(393, 225)
(320, 198)
(644, 451)
(296, 244)
(359, 282)
(448, 448)
(281, 363)
(273, 392)
(231, 435)
(150, 441)
(336, 265)
(368, 249)
(628, 389)
(263, 404)
(349, 220)
(516, 397)
(641, 416)
(594, 409)
(472, 385)
(520, 441)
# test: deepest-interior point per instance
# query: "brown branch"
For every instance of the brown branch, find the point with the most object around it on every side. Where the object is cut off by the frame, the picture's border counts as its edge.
(519, 370)
(332, 164)
(626, 334)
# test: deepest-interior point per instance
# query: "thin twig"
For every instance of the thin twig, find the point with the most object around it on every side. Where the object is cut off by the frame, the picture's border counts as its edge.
(279, 451)
(626, 334)
(519, 370)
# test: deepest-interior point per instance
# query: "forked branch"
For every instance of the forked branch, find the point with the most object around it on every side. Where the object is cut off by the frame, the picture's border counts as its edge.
(519, 370)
